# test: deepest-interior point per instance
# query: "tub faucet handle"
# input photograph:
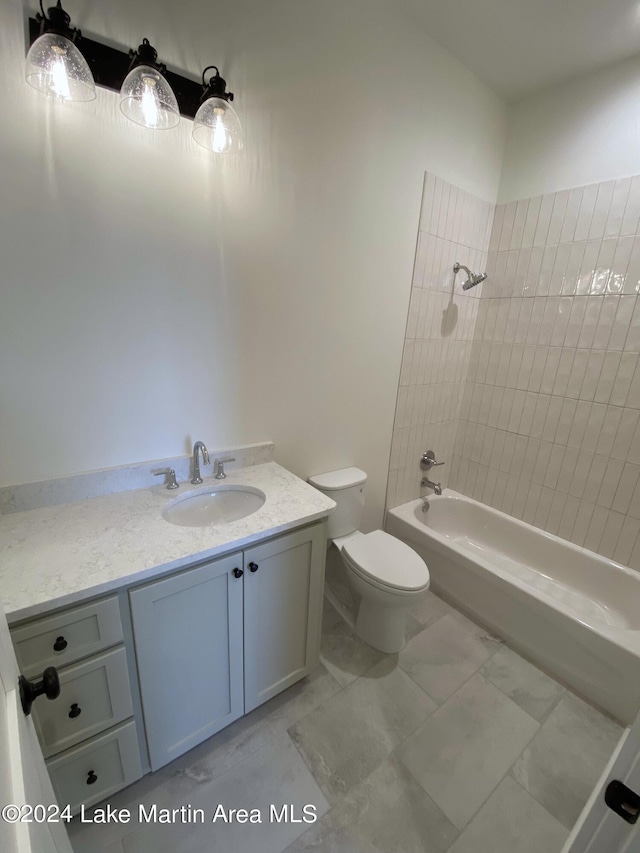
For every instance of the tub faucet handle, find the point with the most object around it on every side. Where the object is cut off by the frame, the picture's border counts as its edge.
(428, 461)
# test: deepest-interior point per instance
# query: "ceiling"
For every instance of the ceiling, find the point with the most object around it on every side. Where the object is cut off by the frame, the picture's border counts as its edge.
(518, 46)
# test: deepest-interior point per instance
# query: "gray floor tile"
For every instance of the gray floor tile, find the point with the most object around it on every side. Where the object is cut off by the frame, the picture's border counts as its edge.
(343, 654)
(562, 763)
(273, 775)
(388, 812)
(530, 688)
(464, 749)
(349, 735)
(430, 609)
(413, 626)
(443, 656)
(511, 821)
(93, 845)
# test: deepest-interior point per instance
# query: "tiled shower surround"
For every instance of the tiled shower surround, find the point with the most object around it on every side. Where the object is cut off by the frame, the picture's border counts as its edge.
(546, 424)
(454, 226)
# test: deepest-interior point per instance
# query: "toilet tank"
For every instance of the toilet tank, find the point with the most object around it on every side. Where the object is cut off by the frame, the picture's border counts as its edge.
(345, 487)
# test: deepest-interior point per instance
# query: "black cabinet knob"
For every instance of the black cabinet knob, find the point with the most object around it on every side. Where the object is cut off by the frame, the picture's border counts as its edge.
(253, 567)
(91, 778)
(237, 573)
(49, 686)
(75, 711)
(60, 644)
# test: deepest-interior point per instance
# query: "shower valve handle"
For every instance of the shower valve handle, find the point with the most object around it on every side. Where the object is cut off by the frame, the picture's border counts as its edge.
(428, 461)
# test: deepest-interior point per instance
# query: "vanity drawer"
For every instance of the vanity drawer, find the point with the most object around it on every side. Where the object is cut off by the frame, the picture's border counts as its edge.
(93, 771)
(68, 636)
(94, 696)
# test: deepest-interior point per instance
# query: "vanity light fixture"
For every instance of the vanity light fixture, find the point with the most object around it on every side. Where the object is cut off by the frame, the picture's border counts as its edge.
(145, 97)
(216, 125)
(54, 65)
(62, 63)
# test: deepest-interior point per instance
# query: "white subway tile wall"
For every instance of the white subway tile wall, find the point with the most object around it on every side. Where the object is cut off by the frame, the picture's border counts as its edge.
(454, 226)
(547, 426)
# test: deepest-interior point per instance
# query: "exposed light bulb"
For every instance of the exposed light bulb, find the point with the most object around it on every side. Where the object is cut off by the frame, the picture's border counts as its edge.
(59, 77)
(220, 138)
(149, 102)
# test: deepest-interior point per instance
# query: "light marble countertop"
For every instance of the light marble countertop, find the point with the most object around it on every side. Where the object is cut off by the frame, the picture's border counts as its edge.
(59, 555)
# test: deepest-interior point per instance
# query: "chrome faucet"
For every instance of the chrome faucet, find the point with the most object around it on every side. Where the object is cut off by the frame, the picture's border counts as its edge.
(197, 447)
(437, 488)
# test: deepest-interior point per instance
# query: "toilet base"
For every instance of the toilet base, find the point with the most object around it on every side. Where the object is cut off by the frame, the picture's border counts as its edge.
(382, 627)
(378, 616)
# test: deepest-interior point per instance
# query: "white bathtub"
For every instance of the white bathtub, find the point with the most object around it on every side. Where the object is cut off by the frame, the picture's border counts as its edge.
(574, 613)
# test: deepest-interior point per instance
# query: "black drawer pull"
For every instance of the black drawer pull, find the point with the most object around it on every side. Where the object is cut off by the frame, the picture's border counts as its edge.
(91, 778)
(253, 567)
(237, 573)
(60, 644)
(75, 711)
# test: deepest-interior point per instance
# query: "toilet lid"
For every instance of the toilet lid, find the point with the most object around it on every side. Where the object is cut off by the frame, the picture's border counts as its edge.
(387, 560)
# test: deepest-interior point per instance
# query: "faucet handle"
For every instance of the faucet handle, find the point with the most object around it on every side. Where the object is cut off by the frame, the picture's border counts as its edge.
(171, 477)
(428, 461)
(219, 463)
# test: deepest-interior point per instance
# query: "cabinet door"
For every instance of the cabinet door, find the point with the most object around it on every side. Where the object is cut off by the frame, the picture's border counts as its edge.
(282, 612)
(188, 638)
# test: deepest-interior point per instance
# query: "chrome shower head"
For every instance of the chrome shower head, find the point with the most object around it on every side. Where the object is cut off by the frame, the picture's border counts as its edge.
(473, 278)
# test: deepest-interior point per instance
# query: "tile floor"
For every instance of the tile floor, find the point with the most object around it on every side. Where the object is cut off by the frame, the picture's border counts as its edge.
(456, 744)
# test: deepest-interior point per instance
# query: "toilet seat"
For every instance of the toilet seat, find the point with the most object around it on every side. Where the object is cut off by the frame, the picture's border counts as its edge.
(387, 563)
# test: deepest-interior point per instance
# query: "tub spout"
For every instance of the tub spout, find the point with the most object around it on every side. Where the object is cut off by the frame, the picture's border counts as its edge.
(437, 488)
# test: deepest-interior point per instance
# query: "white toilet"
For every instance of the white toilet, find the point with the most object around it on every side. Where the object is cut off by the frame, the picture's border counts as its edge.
(386, 575)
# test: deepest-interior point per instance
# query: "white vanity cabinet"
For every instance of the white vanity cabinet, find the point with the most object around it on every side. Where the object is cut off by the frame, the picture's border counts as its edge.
(216, 640)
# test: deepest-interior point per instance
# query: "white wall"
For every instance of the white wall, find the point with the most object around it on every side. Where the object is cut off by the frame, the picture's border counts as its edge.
(152, 296)
(582, 132)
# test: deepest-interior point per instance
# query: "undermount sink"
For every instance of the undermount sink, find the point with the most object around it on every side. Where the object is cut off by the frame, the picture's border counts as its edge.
(213, 505)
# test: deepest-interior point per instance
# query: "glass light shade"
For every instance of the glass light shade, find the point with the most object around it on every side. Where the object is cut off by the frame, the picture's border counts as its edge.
(147, 99)
(56, 67)
(217, 127)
